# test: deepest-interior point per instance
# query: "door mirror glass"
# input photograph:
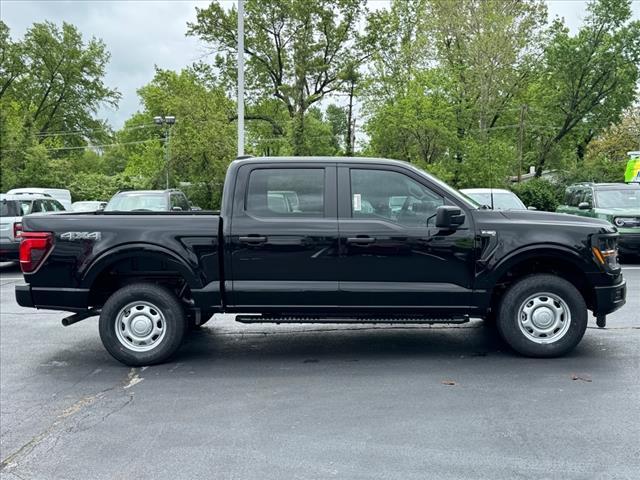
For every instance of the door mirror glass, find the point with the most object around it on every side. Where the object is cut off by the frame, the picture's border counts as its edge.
(449, 217)
(584, 205)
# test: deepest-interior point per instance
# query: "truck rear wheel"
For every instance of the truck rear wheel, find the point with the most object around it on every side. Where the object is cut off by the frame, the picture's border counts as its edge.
(542, 316)
(142, 324)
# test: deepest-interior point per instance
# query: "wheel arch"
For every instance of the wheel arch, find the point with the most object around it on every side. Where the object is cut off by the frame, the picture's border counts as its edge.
(551, 259)
(138, 261)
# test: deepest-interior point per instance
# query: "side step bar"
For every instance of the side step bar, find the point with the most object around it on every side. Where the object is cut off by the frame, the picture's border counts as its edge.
(351, 319)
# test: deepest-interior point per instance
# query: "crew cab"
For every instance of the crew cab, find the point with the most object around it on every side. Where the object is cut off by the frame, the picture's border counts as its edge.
(324, 240)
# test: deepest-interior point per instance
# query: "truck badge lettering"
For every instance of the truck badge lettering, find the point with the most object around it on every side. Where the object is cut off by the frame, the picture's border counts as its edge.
(71, 236)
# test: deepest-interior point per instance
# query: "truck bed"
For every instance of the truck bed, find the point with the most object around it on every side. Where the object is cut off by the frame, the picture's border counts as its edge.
(91, 250)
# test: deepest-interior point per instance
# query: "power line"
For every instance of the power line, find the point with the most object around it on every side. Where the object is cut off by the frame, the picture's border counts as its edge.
(62, 133)
(91, 146)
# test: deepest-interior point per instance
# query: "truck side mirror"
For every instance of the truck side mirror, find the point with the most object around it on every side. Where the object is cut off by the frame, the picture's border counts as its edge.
(449, 217)
(584, 205)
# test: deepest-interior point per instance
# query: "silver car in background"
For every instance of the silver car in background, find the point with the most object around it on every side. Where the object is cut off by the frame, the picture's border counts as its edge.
(495, 198)
(12, 209)
(88, 206)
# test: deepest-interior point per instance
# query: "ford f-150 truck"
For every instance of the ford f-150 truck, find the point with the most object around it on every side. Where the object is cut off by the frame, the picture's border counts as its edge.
(323, 240)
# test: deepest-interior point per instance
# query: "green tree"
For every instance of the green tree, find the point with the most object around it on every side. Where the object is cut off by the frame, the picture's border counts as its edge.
(297, 51)
(202, 142)
(51, 86)
(586, 80)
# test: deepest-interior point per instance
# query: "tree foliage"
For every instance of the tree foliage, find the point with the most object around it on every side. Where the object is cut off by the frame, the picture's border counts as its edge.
(476, 91)
(298, 52)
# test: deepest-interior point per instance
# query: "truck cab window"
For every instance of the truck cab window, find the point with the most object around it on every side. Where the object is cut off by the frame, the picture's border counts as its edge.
(295, 192)
(392, 196)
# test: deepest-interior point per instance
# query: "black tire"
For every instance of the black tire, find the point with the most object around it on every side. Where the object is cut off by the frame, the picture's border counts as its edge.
(508, 321)
(172, 322)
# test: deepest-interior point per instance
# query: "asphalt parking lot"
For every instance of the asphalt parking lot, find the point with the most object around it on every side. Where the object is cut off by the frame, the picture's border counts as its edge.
(286, 402)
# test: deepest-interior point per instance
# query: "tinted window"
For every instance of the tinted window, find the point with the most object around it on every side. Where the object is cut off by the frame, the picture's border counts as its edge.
(286, 192)
(8, 209)
(392, 196)
(576, 195)
(179, 200)
(37, 207)
(52, 206)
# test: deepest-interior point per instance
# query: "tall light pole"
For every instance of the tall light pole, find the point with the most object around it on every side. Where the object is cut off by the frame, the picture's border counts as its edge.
(240, 78)
(168, 121)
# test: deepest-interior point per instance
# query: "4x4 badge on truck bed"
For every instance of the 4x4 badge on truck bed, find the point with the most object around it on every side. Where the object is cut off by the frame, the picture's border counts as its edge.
(80, 236)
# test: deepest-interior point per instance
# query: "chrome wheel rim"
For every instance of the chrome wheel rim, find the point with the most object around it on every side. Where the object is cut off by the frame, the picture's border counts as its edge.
(140, 326)
(544, 318)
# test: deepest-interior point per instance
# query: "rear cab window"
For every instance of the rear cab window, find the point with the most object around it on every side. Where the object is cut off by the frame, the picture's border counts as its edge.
(286, 192)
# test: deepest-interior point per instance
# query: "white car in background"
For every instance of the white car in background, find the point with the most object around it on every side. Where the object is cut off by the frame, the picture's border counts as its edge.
(88, 206)
(495, 198)
(12, 209)
(62, 195)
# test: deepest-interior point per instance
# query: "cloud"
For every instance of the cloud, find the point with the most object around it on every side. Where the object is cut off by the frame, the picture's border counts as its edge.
(141, 34)
(138, 34)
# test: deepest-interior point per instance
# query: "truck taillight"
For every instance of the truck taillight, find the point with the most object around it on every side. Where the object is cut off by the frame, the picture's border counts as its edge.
(34, 247)
(17, 230)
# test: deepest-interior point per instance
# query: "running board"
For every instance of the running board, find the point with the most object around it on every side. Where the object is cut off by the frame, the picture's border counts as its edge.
(350, 319)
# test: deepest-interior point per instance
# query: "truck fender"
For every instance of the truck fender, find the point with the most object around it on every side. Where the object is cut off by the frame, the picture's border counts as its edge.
(137, 250)
(528, 252)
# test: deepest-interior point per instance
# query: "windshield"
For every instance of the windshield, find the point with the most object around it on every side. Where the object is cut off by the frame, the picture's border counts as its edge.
(501, 200)
(15, 208)
(128, 202)
(623, 198)
(85, 206)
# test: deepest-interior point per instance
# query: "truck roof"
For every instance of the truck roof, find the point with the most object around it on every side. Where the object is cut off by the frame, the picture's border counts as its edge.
(369, 160)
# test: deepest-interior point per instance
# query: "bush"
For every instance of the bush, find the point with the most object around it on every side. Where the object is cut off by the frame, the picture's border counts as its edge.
(539, 193)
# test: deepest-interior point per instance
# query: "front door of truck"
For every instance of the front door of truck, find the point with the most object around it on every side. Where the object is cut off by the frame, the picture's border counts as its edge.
(284, 236)
(393, 257)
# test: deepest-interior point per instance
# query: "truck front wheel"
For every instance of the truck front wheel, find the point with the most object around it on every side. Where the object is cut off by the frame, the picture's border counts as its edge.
(142, 324)
(542, 316)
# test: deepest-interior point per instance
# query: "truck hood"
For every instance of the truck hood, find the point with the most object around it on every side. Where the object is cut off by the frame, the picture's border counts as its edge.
(628, 212)
(533, 217)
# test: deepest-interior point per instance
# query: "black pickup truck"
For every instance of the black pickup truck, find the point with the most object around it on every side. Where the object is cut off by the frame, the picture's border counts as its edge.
(324, 240)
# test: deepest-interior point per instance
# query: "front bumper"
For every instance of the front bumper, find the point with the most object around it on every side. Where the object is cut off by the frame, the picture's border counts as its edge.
(9, 251)
(610, 298)
(629, 243)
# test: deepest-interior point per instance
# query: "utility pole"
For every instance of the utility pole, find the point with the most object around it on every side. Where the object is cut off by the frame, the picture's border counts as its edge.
(168, 123)
(523, 112)
(240, 78)
(350, 121)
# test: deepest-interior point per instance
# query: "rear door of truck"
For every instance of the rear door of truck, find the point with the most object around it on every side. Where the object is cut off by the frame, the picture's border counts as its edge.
(284, 237)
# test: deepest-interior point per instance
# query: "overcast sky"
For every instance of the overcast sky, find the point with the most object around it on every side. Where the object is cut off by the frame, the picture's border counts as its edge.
(143, 33)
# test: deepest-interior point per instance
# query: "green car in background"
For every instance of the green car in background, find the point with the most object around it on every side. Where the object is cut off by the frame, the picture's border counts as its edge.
(619, 203)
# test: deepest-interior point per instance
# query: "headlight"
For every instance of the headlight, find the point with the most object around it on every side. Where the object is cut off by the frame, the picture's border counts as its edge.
(605, 251)
(627, 222)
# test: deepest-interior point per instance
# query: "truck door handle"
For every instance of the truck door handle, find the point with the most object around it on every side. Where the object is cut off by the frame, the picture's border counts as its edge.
(360, 240)
(253, 239)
